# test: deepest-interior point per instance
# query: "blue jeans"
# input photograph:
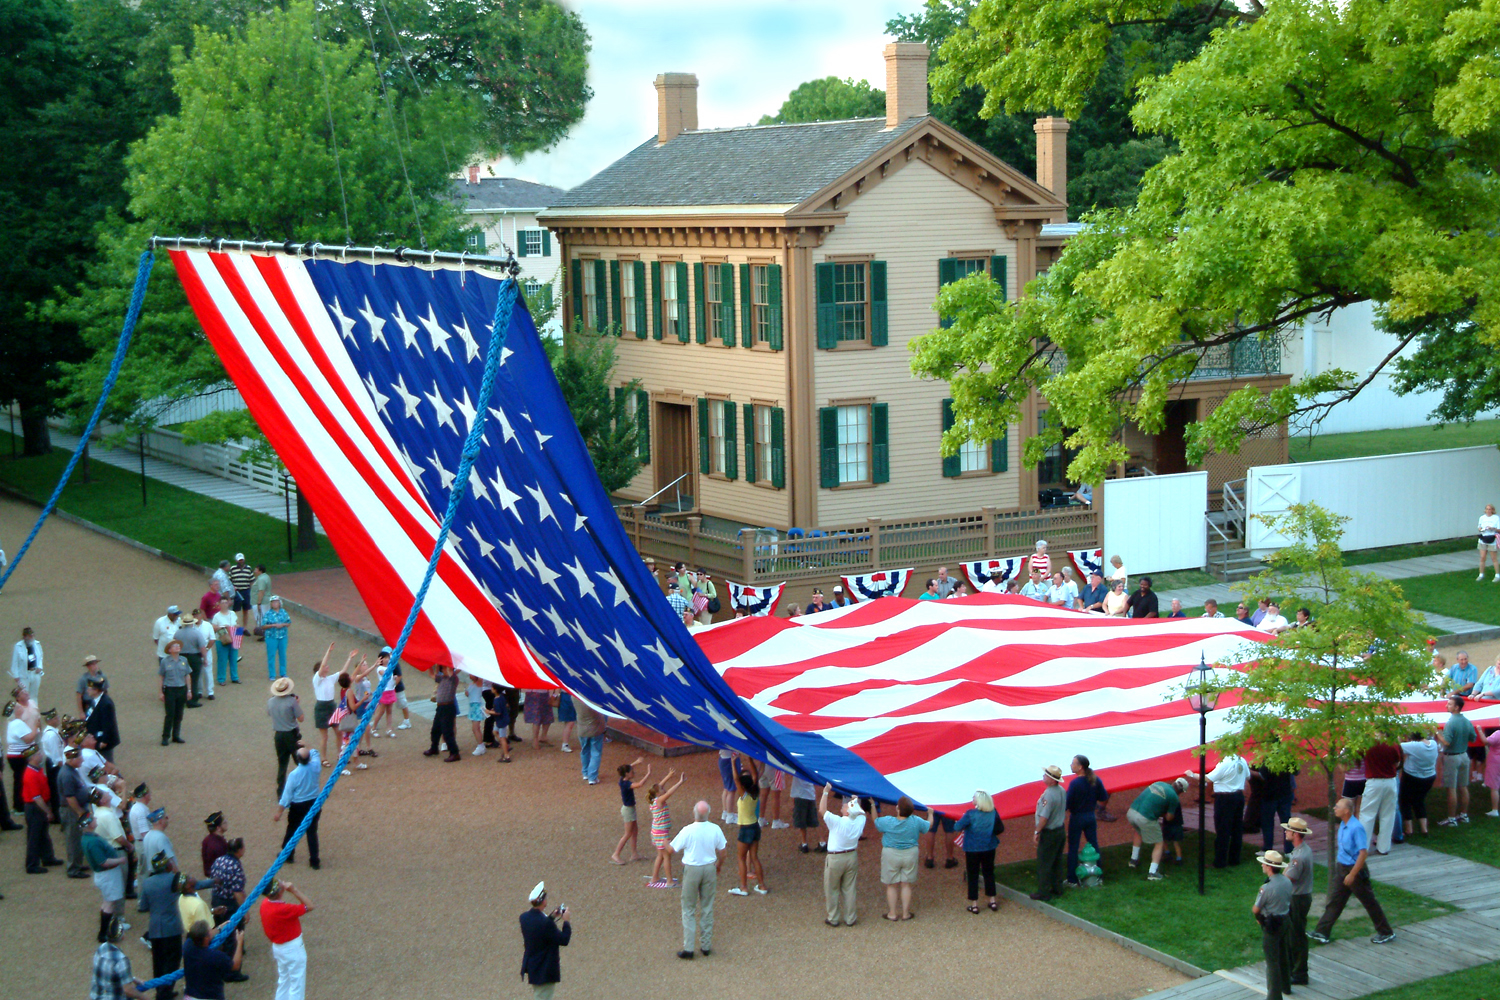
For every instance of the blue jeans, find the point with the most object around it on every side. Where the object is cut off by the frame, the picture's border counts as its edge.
(590, 750)
(228, 659)
(1080, 825)
(275, 649)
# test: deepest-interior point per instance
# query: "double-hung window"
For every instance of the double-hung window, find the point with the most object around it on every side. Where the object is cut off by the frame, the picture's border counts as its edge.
(669, 300)
(627, 298)
(591, 293)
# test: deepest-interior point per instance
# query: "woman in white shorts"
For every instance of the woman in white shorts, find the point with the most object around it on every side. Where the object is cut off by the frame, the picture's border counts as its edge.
(1489, 527)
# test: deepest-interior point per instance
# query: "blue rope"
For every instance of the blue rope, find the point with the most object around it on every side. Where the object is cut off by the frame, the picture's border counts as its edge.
(133, 314)
(503, 307)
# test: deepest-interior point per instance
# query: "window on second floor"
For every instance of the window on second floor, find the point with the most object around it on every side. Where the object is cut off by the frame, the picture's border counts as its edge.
(713, 300)
(627, 298)
(851, 301)
(591, 292)
(669, 300)
(531, 242)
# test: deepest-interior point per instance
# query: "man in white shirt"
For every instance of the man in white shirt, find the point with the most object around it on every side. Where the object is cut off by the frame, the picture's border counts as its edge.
(1273, 622)
(164, 629)
(841, 869)
(1228, 779)
(26, 663)
(702, 846)
(140, 808)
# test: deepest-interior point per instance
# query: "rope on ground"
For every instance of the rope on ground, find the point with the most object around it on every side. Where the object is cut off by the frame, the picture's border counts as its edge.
(504, 305)
(132, 315)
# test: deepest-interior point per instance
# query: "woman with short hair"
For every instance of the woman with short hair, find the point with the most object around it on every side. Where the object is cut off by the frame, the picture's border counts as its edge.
(899, 845)
(981, 827)
(1116, 602)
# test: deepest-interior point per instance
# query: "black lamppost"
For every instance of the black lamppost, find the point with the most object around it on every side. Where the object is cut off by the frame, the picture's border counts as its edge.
(1202, 698)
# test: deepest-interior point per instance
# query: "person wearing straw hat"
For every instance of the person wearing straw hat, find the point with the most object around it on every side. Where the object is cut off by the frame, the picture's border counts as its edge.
(1272, 908)
(1299, 872)
(285, 711)
(1049, 835)
(541, 962)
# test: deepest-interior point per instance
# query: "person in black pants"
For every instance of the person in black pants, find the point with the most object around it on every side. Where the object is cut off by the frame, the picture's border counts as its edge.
(1085, 793)
(513, 707)
(174, 673)
(1228, 779)
(444, 717)
(981, 828)
(297, 798)
(1277, 790)
(39, 852)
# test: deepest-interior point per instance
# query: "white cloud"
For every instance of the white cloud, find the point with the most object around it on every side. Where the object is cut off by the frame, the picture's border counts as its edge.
(747, 56)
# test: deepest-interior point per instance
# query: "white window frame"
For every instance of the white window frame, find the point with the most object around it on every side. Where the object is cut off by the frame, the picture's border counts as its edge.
(716, 436)
(760, 302)
(854, 444)
(590, 294)
(627, 296)
(974, 457)
(762, 418)
(531, 242)
(668, 294)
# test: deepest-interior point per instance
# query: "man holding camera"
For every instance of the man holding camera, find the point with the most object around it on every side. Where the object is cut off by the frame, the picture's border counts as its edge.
(541, 965)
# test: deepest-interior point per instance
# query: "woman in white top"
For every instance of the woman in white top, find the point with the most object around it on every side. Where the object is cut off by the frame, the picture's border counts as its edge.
(1115, 602)
(1118, 572)
(1419, 756)
(1489, 527)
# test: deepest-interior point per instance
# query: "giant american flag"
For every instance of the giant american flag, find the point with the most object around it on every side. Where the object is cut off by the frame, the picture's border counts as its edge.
(364, 377)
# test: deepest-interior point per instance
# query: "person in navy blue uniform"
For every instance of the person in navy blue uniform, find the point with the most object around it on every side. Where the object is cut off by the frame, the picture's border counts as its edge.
(541, 965)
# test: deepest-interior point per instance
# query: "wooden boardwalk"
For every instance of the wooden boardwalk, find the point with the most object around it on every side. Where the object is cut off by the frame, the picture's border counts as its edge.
(1350, 968)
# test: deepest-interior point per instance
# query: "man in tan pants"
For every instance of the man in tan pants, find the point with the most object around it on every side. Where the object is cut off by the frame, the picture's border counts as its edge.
(702, 846)
(841, 870)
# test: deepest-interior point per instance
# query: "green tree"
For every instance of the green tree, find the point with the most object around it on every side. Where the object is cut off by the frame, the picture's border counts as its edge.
(584, 363)
(1326, 154)
(1320, 696)
(827, 100)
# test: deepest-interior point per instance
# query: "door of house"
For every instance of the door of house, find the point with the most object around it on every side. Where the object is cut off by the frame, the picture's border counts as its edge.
(673, 454)
(1171, 443)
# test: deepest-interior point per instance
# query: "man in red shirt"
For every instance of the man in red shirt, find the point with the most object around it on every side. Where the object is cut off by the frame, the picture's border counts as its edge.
(282, 922)
(37, 794)
(1377, 812)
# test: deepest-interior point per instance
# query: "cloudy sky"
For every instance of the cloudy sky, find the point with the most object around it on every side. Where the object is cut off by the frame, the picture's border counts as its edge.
(747, 55)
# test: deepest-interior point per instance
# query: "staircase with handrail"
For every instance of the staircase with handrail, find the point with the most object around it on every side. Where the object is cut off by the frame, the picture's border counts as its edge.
(1228, 559)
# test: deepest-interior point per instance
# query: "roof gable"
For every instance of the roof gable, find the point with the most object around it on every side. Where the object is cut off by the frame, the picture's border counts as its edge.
(500, 193)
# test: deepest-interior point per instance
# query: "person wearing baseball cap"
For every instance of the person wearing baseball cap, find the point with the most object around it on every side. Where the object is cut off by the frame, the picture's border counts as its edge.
(1049, 835)
(1299, 872)
(1272, 908)
(241, 578)
(286, 714)
(541, 963)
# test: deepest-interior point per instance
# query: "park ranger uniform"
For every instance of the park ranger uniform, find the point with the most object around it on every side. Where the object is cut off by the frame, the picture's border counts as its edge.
(1273, 909)
(1299, 872)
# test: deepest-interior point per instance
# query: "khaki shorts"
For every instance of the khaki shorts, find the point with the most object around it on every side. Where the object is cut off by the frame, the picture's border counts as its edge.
(1455, 770)
(627, 813)
(1149, 829)
(898, 864)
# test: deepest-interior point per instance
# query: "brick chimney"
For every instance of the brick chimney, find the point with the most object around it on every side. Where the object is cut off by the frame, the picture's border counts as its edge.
(474, 173)
(905, 82)
(676, 105)
(1052, 158)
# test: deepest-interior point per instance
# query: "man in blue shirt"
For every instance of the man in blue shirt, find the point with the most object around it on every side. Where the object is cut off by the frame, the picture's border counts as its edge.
(1094, 594)
(1352, 878)
(297, 798)
(1463, 675)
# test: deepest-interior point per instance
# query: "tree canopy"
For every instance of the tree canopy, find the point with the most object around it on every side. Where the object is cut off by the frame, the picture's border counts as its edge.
(829, 99)
(1326, 154)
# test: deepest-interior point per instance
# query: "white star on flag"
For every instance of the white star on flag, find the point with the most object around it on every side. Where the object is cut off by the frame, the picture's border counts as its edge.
(344, 321)
(376, 322)
(411, 401)
(444, 411)
(408, 331)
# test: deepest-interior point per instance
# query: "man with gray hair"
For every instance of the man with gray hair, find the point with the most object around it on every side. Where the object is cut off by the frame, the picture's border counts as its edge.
(841, 868)
(702, 845)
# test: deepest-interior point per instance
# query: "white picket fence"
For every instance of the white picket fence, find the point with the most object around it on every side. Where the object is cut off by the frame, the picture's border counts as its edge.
(221, 459)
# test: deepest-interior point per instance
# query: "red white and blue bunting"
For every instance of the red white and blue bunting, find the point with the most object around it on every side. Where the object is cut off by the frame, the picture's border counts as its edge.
(884, 583)
(1087, 561)
(754, 600)
(996, 571)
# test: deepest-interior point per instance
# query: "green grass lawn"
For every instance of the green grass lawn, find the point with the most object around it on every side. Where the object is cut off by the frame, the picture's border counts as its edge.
(1456, 594)
(188, 525)
(1478, 983)
(1393, 442)
(1213, 931)
(1176, 580)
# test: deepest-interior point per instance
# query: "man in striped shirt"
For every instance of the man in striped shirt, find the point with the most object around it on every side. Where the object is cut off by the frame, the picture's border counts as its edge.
(241, 577)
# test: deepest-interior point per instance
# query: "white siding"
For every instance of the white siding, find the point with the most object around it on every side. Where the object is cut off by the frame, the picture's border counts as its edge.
(500, 228)
(911, 220)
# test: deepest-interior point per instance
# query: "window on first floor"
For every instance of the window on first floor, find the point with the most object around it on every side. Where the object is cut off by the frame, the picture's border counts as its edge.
(716, 436)
(1052, 470)
(762, 417)
(854, 444)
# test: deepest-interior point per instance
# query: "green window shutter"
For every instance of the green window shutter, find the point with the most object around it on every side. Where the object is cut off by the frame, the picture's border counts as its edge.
(726, 305)
(480, 243)
(617, 414)
(952, 464)
(656, 300)
(879, 325)
(601, 296)
(747, 311)
(778, 448)
(682, 301)
(828, 445)
(577, 275)
(827, 312)
(520, 242)
(997, 272)
(750, 469)
(880, 443)
(698, 314)
(640, 299)
(614, 287)
(643, 425)
(546, 243)
(731, 441)
(773, 296)
(1000, 453)
(704, 465)
(947, 275)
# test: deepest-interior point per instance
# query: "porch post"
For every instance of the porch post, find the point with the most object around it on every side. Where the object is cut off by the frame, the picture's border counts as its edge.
(874, 527)
(989, 532)
(693, 523)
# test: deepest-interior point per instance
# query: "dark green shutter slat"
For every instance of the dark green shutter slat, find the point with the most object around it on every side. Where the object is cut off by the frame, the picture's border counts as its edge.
(827, 312)
(615, 291)
(952, 464)
(879, 325)
(520, 242)
(640, 299)
(750, 441)
(747, 315)
(577, 275)
(698, 313)
(997, 272)
(656, 299)
(601, 296)
(546, 243)
(828, 450)
(731, 441)
(1000, 453)
(726, 302)
(643, 425)
(947, 275)
(683, 303)
(704, 464)
(773, 298)
(778, 448)
(880, 443)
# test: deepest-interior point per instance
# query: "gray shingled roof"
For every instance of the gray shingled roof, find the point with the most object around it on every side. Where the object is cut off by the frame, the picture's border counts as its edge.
(499, 193)
(752, 165)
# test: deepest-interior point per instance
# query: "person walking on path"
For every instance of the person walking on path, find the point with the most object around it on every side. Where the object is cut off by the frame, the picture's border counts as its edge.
(286, 715)
(1144, 815)
(900, 837)
(542, 940)
(26, 663)
(1352, 877)
(445, 716)
(841, 867)
(1049, 835)
(1455, 736)
(702, 846)
(1299, 872)
(282, 922)
(276, 625)
(296, 801)
(1228, 778)
(590, 740)
(1489, 546)
(1085, 793)
(1272, 908)
(175, 675)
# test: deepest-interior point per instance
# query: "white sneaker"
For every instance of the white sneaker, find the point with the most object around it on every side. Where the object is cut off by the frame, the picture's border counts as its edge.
(478, 750)
(124, 927)
(1493, 813)
(781, 824)
(405, 725)
(346, 772)
(1463, 817)
(737, 891)
(390, 734)
(566, 748)
(360, 767)
(374, 734)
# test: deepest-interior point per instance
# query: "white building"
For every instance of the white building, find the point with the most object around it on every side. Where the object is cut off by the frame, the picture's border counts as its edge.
(505, 209)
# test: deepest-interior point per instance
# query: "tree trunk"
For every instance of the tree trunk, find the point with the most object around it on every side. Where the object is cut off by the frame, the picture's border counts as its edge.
(1332, 848)
(307, 538)
(35, 437)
